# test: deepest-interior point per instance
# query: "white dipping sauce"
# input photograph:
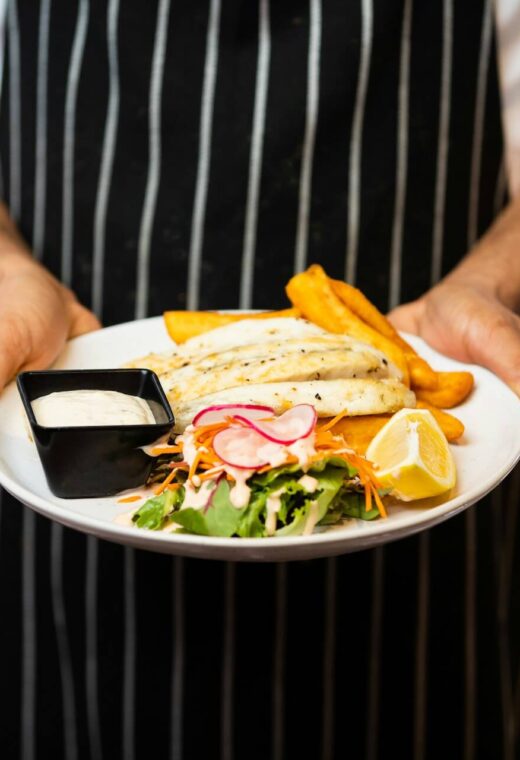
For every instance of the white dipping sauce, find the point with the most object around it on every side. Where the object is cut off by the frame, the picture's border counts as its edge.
(90, 408)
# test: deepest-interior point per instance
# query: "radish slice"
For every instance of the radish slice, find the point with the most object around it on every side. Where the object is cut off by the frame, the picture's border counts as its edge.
(240, 448)
(295, 423)
(213, 414)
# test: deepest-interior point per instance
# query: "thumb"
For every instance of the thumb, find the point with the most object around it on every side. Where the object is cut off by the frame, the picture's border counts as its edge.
(15, 348)
(501, 354)
(81, 320)
(407, 317)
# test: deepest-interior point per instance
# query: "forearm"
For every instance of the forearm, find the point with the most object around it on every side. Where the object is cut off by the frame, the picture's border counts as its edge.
(493, 265)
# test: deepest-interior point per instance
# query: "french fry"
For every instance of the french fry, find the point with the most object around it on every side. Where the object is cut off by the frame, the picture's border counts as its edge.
(182, 325)
(312, 293)
(451, 426)
(452, 389)
(359, 431)
(421, 374)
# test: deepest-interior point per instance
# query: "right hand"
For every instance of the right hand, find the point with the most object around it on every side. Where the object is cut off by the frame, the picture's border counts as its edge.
(37, 313)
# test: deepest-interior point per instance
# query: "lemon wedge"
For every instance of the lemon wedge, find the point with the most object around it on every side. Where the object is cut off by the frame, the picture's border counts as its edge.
(412, 456)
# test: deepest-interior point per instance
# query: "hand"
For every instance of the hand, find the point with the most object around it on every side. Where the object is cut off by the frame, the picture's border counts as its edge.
(464, 317)
(37, 313)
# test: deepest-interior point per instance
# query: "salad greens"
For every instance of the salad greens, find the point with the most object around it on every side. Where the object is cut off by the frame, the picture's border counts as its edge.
(338, 494)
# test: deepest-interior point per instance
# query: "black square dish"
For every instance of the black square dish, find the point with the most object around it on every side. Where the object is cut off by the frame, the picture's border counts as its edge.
(83, 461)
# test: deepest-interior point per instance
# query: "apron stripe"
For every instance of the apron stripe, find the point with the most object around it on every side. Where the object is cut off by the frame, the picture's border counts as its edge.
(91, 646)
(129, 657)
(228, 665)
(203, 167)
(69, 130)
(107, 159)
(29, 653)
(329, 659)
(356, 141)
(311, 123)
(15, 115)
(443, 143)
(470, 679)
(68, 701)
(421, 652)
(255, 158)
(178, 664)
(374, 665)
(402, 159)
(154, 165)
(478, 127)
(280, 652)
(40, 180)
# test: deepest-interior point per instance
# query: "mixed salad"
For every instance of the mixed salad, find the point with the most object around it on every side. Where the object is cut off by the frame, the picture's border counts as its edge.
(240, 470)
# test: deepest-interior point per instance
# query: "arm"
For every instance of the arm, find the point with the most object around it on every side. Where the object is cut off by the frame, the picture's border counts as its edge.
(37, 313)
(473, 313)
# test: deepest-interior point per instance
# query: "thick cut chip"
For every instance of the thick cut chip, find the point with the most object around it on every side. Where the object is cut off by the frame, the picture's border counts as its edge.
(182, 325)
(312, 293)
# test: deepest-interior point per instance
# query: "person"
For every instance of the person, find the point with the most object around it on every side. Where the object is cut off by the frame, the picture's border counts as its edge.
(195, 156)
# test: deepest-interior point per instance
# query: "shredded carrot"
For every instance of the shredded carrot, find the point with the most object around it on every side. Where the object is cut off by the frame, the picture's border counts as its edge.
(166, 482)
(129, 499)
(333, 421)
(166, 450)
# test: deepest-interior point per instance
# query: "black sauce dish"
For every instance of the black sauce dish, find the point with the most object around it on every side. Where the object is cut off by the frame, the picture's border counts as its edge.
(88, 462)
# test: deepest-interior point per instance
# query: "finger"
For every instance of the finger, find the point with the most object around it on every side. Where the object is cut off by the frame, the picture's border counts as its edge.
(15, 349)
(501, 353)
(407, 317)
(82, 320)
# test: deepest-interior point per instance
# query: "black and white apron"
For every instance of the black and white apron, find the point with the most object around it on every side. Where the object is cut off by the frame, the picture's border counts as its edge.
(195, 153)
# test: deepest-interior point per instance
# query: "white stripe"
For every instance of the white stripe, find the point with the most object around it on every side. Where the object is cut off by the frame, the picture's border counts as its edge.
(62, 640)
(356, 141)
(470, 638)
(15, 115)
(40, 179)
(228, 666)
(178, 661)
(107, 159)
(3, 13)
(374, 670)
(91, 645)
(443, 142)
(329, 660)
(311, 123)
(471, 524)
(255, 158)
(501, 188)
(402, 159)
(206, 122)
(478, 127)
(502, 611)
(129, 648)
(280, 650)
(421, 652)
(29, 654)
(154, 165)
(69, 140)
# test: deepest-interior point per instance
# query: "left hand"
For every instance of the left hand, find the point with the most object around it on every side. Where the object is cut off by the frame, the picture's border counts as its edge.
(465, 319)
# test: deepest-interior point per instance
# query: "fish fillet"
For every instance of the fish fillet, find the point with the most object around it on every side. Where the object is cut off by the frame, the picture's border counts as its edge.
(329, 397)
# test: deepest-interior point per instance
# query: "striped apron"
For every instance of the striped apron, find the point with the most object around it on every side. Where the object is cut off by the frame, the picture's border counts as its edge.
(195, 154)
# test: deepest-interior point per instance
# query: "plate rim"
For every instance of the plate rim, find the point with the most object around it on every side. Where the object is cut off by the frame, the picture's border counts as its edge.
(178, 543)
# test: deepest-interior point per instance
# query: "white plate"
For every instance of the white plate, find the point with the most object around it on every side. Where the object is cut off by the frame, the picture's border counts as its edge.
(489, 450)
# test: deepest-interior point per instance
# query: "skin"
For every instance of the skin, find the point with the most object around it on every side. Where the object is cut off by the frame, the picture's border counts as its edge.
(471, 315)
